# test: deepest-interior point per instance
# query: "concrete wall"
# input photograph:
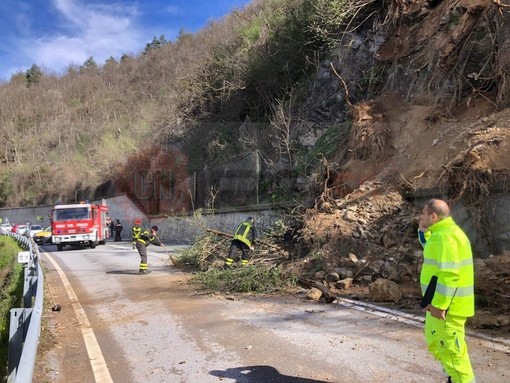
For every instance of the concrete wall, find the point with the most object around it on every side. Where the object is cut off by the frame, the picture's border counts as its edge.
(23, 215)
(186, 228)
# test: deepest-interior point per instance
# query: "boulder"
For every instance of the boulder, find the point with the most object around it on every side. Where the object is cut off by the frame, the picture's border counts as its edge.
(314, 294)
(384, 290)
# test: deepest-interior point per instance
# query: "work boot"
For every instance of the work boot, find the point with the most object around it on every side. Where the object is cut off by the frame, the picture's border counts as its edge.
(144, 271)
(449, 380)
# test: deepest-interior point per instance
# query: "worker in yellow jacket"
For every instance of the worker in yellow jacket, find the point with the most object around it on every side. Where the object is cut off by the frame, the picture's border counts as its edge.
(136, 231)
(244, 239)
(145, 239)
(447, 283)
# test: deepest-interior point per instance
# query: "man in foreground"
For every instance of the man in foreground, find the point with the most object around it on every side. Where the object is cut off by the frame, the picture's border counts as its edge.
(447, 264)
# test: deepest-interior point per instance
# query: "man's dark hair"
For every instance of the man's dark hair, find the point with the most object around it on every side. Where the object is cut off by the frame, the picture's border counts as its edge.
(155, 228)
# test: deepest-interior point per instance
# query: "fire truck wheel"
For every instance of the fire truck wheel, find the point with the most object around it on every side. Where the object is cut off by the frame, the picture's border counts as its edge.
(93, 244)
(60, 247)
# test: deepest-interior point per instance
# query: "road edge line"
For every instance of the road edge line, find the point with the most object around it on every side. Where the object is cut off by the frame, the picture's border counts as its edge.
(96, 358)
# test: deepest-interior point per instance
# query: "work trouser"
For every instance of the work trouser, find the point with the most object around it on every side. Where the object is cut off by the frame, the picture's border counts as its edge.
(232, 256)
(142, 250)
(446, 342)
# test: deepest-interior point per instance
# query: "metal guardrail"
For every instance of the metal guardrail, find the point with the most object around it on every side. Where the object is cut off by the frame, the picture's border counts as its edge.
(25, 323)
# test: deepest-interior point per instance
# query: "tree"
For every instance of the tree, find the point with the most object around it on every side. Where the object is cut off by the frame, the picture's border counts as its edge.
(155, 44)
(89, 66)
(110, 61)
(33, 75)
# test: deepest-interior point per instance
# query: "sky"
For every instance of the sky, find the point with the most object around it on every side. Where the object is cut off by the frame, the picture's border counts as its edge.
(54, 34)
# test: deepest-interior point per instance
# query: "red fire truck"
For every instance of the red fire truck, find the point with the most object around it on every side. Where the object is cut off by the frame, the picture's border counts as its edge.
(82, 224)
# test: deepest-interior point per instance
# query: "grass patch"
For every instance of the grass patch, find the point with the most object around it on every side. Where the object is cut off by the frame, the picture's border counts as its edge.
(11, 288)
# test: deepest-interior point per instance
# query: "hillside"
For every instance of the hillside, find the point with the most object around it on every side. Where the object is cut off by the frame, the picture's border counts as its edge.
(357, 109)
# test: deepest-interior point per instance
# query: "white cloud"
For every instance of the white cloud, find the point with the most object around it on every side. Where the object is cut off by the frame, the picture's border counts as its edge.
(99, 31)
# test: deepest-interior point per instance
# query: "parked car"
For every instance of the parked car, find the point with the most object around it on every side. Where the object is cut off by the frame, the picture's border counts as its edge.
(19, 229)
(33, 229)
(43, 237)
(5, 228)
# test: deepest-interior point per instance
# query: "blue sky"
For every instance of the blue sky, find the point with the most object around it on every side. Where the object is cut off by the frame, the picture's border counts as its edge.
(57, 33)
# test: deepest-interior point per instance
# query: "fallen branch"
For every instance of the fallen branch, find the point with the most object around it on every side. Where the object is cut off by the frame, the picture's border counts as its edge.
(230, 236)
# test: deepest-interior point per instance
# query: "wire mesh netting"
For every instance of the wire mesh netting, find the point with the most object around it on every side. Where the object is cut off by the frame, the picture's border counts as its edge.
(232, 184)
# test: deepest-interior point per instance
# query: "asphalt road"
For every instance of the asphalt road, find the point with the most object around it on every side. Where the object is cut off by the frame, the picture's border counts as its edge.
(118, 326)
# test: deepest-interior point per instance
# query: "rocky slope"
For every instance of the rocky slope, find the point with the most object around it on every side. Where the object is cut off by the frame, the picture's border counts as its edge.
(438, 127)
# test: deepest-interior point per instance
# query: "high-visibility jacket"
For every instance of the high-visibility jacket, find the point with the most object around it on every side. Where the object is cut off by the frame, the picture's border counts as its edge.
(245, 233)
(423, 236)
(136, 231)
(147, 238)
(447, 255)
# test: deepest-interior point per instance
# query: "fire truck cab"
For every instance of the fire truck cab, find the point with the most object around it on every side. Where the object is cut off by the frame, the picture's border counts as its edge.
(82, 224)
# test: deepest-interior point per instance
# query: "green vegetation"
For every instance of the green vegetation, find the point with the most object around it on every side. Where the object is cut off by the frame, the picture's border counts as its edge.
(252, 278)
(97, 115)
(11, 288)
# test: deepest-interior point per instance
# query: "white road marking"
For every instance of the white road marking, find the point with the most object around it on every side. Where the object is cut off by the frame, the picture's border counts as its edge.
(97, 362)
(151, 253)
(499, 344)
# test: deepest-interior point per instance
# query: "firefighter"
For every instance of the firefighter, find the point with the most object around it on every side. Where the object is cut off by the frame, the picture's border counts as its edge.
(145, 239)
(118, 230)
(136, 230)
(111, 226)
(447, 262)
(244, 239)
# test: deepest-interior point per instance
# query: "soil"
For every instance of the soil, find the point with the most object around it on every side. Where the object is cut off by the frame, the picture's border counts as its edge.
(427, 137)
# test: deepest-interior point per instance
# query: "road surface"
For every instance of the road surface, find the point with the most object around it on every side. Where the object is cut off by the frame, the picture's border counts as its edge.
(118, 326)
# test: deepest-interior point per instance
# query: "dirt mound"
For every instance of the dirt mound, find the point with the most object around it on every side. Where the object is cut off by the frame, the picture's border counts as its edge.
(371, 234)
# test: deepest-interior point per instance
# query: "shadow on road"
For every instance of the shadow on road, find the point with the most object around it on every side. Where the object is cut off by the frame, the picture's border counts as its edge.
(123, 272)
(260, 374)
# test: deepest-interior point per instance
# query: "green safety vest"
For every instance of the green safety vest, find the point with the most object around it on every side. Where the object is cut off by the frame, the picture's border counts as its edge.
(242, 232)
(447, 255)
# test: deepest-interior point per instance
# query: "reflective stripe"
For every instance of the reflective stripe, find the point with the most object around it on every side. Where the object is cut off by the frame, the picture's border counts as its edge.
(243, 231)
(452, 291)
(136, 232)
(448, 265)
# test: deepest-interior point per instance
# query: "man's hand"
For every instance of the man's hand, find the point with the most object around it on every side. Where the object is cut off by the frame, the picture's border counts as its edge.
(435, 312)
